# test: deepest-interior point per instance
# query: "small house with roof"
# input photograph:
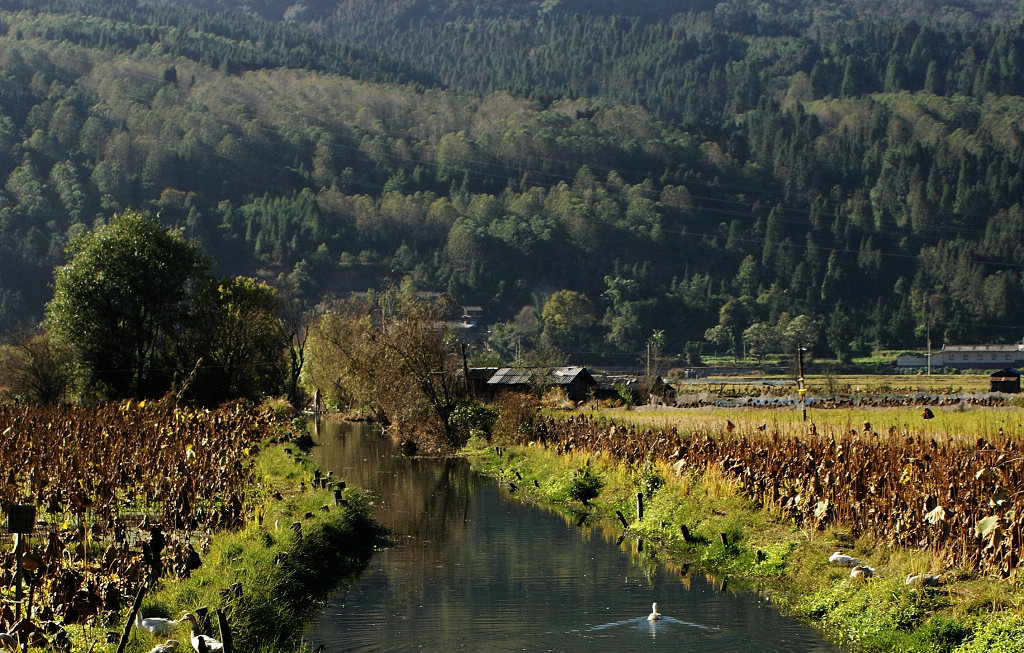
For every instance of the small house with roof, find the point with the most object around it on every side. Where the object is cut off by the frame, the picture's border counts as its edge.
(968, 356)
(577, 381)
(478, 378)
(473, 315)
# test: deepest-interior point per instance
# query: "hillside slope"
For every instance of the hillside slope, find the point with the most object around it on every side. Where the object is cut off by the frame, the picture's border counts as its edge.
(711, 169)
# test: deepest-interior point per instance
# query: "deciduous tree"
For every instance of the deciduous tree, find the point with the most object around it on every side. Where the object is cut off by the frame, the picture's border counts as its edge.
(122, 301)
(394, 354)
(33, 367)
(567, 316)
(239, 341)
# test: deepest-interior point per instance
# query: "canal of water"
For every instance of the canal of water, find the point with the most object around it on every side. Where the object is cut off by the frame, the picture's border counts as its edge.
(476, 569)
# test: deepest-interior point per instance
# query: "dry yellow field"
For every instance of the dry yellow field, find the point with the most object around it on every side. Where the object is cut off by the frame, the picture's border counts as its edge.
(966, 421)
(845, 384)
(966, 424)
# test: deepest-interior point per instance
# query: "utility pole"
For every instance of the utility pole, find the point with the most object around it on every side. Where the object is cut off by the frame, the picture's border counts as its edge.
(928, 335)
(800, 379)
(465, 371)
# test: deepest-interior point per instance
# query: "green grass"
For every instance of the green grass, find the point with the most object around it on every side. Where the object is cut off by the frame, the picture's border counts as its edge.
(1004, 634)
(708, 503)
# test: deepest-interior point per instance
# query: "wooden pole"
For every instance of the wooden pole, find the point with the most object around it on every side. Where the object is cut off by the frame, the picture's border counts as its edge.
(20, 521)
(17, 574)
(801, 390)
(622, 519)
(31, 596)
(136, 605)
(686, 533)
(225, 631)
(639, 506)
(465, 371)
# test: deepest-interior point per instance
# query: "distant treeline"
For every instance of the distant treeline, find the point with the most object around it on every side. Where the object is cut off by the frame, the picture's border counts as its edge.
(711, 173)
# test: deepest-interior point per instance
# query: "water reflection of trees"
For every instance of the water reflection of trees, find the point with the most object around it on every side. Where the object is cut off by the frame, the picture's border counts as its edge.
(418, 500)
(473, 570)
(643, 555)
(425, 502)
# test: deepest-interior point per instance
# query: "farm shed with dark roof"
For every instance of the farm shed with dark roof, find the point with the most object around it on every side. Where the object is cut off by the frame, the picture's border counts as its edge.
(577, 381)
(1007, 380)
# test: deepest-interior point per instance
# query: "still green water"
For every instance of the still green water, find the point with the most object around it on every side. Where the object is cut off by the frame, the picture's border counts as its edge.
(475, 569)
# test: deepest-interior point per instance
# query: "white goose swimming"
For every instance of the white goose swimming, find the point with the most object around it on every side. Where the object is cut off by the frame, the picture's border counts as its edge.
(157, 626)
(655, 615)
(201, 642)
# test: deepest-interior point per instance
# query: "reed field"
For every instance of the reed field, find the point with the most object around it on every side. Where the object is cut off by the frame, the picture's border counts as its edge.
(850, 385)
(962, 423)
(967, 382)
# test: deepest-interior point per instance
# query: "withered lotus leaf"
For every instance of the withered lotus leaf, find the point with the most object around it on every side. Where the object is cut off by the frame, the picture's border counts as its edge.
(957, 500)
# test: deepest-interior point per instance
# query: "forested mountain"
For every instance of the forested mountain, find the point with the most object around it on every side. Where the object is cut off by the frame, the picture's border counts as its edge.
(709, 170)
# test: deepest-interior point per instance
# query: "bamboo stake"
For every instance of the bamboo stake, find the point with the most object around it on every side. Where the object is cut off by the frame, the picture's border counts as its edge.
(136, 605)
(17, 573)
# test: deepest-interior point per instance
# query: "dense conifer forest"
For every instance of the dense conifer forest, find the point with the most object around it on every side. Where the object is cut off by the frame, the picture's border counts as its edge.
(733, 175)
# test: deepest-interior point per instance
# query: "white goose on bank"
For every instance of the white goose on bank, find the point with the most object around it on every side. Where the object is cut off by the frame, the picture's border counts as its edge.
(655, 615)
(201, 642)
(170, 646)
(157, 626)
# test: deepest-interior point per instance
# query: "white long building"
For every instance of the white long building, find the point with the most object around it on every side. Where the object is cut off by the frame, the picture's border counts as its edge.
(960, 356)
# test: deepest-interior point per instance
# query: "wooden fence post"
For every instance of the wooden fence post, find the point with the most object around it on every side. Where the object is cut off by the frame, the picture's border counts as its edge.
(622, 519)
(225, 632)
(686, 533)
(21, 520)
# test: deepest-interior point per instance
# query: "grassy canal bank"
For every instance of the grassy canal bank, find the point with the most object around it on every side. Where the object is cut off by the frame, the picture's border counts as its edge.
(302, 542)
(200, 510)
(730, 537)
